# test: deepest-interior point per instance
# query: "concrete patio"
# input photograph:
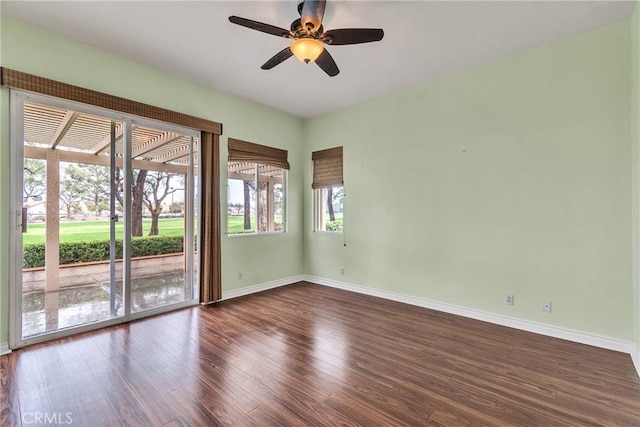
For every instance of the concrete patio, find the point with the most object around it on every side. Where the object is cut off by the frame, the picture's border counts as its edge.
(83, 296)
(72, 306)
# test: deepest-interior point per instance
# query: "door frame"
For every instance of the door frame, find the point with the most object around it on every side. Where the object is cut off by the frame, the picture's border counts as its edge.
(17, 100)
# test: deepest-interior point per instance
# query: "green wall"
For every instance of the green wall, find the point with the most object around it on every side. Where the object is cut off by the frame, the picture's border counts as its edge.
(635, 180)
(261, 259)
(513, 177)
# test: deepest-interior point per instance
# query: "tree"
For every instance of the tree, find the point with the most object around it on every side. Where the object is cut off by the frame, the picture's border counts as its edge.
(261, 204)
(247, 204)
(137, 193)
(73, 188)
(278, 206)
(34, 176)
(97, 181)
(332, 198)
(262, 207)
(157, 188)
(176, 207)
(278, 198)
(104, 205)
(332, 215)
(338, 197)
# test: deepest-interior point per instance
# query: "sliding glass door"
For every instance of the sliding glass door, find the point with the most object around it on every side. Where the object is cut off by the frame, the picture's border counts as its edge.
(103, 230)
(161, 222)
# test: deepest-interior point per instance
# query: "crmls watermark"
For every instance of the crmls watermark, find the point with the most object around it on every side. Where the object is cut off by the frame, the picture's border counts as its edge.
(47, 418)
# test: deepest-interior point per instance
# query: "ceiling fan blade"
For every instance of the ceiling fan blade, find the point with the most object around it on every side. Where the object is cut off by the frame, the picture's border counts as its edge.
(328, 65)
(352, 36)
(312, 14)
(261, 26)
(279, 57)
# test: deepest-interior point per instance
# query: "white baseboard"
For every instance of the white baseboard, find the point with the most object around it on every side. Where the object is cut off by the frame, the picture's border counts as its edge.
(261, 287)
(635, 356)
(4, 348)
(498, 319)
(512, 322)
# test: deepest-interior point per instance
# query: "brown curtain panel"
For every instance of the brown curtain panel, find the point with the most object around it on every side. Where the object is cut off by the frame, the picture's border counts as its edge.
(248, 152)
(327, 168)
(209, 242)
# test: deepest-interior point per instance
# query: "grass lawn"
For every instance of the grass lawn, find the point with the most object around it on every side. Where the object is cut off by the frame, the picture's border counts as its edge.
(82, 231)
(338, 216)
(235, 224)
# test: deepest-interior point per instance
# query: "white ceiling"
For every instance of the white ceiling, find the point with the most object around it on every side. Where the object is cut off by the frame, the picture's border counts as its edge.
(423, 40)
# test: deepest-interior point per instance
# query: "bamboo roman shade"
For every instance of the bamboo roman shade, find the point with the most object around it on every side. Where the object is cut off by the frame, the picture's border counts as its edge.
(327, 168)
(248, 152)
(31, 83)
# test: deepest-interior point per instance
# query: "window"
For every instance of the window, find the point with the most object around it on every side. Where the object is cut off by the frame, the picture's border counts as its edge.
(328, 208)
(328, 189)
(256, 188)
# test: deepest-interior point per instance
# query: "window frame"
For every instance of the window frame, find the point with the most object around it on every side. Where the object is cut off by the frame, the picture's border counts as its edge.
(327, 172)
(319, 204)
(270, 216)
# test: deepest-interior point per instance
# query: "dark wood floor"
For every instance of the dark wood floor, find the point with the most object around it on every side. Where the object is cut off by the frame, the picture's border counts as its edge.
(311, 355)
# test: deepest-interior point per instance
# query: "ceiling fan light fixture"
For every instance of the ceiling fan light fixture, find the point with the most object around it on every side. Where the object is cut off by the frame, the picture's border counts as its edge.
(307, 49)
(309, 37)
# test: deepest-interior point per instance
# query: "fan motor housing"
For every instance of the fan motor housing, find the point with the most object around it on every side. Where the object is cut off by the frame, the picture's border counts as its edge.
(298, 31)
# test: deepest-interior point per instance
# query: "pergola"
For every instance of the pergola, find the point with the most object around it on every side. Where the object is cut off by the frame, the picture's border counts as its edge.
(59, 135)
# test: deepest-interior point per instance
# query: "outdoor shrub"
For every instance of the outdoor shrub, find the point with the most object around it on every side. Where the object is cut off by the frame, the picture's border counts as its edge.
(156, 245)
(334, 226)
(74, 252)
(33, 255)
(98, 250)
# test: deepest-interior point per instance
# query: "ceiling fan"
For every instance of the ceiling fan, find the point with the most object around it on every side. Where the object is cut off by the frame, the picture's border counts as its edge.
(308, 37)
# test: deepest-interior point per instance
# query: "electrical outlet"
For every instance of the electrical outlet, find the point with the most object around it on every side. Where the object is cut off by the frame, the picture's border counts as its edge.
(508, 299)
(546, 306)
(239, 276)
(342, 271)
